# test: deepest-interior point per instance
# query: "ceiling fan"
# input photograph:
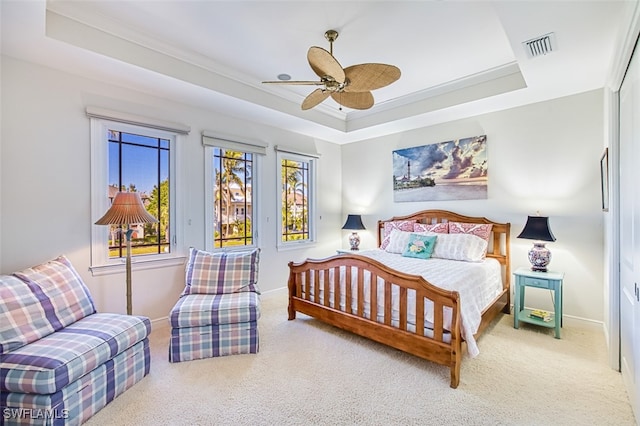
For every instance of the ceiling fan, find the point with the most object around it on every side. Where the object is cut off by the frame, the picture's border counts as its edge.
(350, 87)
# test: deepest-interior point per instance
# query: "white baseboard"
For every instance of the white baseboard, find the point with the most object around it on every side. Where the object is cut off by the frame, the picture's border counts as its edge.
(575, 321)
(159, 323)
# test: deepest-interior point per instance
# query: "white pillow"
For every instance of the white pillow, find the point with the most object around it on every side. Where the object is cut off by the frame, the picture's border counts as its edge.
(398, 240)
(465, 247)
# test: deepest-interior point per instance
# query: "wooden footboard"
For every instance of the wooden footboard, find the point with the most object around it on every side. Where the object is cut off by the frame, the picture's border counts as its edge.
(317, 288)
(314, 290)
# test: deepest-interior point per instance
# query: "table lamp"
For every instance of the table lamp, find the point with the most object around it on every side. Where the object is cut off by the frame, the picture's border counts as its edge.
(354, 223)
(537, 228)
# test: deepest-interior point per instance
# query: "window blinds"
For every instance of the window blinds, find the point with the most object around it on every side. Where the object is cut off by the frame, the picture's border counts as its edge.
(254, 147)
(122, 117)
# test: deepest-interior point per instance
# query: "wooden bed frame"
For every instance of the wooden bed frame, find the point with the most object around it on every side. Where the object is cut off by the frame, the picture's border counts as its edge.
(435, 348)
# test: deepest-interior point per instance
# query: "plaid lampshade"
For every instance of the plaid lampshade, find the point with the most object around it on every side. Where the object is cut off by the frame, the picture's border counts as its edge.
(127, 208)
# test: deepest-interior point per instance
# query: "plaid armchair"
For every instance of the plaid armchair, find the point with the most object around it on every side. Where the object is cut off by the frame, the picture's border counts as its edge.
(217, 313)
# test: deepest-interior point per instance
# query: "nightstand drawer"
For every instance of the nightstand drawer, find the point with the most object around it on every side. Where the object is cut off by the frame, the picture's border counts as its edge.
(535, 282)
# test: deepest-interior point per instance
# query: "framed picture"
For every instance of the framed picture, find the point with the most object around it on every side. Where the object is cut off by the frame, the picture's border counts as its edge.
(604, 179)
(450, 170)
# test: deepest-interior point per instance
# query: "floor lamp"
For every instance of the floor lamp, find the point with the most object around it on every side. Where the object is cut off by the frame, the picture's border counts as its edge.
(127, 209)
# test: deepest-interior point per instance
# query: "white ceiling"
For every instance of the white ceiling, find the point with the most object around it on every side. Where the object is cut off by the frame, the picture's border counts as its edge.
(458, 58)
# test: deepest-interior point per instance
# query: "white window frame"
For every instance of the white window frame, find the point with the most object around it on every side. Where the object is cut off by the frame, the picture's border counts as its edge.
(283, 153)
(101, 122)
(211, 140)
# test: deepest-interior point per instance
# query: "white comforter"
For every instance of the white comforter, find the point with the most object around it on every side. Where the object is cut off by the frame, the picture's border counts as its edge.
(478, 284)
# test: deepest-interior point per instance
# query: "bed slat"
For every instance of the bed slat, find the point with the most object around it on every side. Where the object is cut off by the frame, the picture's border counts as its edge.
(387, 303)
(373, 297)
(403, 308)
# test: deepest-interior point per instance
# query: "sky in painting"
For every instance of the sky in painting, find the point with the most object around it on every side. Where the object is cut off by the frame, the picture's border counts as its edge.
(456, 159)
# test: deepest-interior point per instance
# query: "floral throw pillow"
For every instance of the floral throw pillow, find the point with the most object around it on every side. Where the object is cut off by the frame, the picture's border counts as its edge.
(402, 225)
(482, 230)
(420, 246)
(439, 228)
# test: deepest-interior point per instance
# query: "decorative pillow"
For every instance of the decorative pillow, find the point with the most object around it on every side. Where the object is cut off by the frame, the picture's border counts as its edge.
(482, 230)
(420, 246)
(465, 247)
(402, 225)
(60, 290)
(397, 241)
(22, 316)
(439, 228)
(221, 272)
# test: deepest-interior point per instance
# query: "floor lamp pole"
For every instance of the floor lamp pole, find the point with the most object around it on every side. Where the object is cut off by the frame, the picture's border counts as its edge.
(128, 267)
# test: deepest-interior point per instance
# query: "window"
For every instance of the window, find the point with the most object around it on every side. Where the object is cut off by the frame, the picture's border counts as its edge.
(296, 183)
(232, 188)
(140, 163)
(136, 158)
(233, 196)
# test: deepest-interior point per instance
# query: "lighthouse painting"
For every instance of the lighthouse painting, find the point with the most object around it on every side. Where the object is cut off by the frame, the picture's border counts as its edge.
(451, 170)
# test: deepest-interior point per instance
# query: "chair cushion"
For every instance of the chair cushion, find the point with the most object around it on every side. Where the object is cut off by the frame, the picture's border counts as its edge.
(39, 301)
(221, 272)
(51, 363)
(212, 309)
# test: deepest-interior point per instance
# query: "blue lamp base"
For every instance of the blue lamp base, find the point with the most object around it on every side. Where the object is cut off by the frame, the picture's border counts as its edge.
(539, 256)
(354, 241)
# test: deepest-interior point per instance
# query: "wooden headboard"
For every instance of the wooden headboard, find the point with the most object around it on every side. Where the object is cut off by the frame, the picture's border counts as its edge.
(499, 242)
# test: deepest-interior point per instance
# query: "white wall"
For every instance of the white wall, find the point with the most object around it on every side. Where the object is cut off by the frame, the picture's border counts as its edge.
(45, 182)
(542, 157)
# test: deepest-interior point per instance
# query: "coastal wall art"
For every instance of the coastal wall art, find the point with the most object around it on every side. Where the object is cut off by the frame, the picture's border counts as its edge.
(451, 170)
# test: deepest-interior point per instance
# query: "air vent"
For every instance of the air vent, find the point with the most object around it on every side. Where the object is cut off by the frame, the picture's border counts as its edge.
(540, 45)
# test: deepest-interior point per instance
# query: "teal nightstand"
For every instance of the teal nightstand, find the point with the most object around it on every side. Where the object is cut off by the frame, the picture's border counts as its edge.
(525, 277)
(347, 251)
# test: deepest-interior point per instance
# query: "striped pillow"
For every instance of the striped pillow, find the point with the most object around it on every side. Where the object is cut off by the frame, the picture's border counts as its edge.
(221, 272)
(60, 290)
(465, 247)
(22, 317)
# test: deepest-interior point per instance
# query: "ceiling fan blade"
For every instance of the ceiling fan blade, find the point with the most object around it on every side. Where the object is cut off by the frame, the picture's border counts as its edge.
(354, 100)
(366, 77)
(324, 64)
(294, 82)
(314, 98)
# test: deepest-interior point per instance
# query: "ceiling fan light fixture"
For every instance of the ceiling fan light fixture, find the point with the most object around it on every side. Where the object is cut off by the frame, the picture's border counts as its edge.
(350, 87)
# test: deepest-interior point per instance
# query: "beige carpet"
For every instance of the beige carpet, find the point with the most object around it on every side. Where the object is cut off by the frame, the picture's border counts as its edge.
(310, 373)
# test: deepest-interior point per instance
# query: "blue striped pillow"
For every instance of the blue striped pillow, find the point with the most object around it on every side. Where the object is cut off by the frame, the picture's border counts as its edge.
(64, 296)
(221, 272)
